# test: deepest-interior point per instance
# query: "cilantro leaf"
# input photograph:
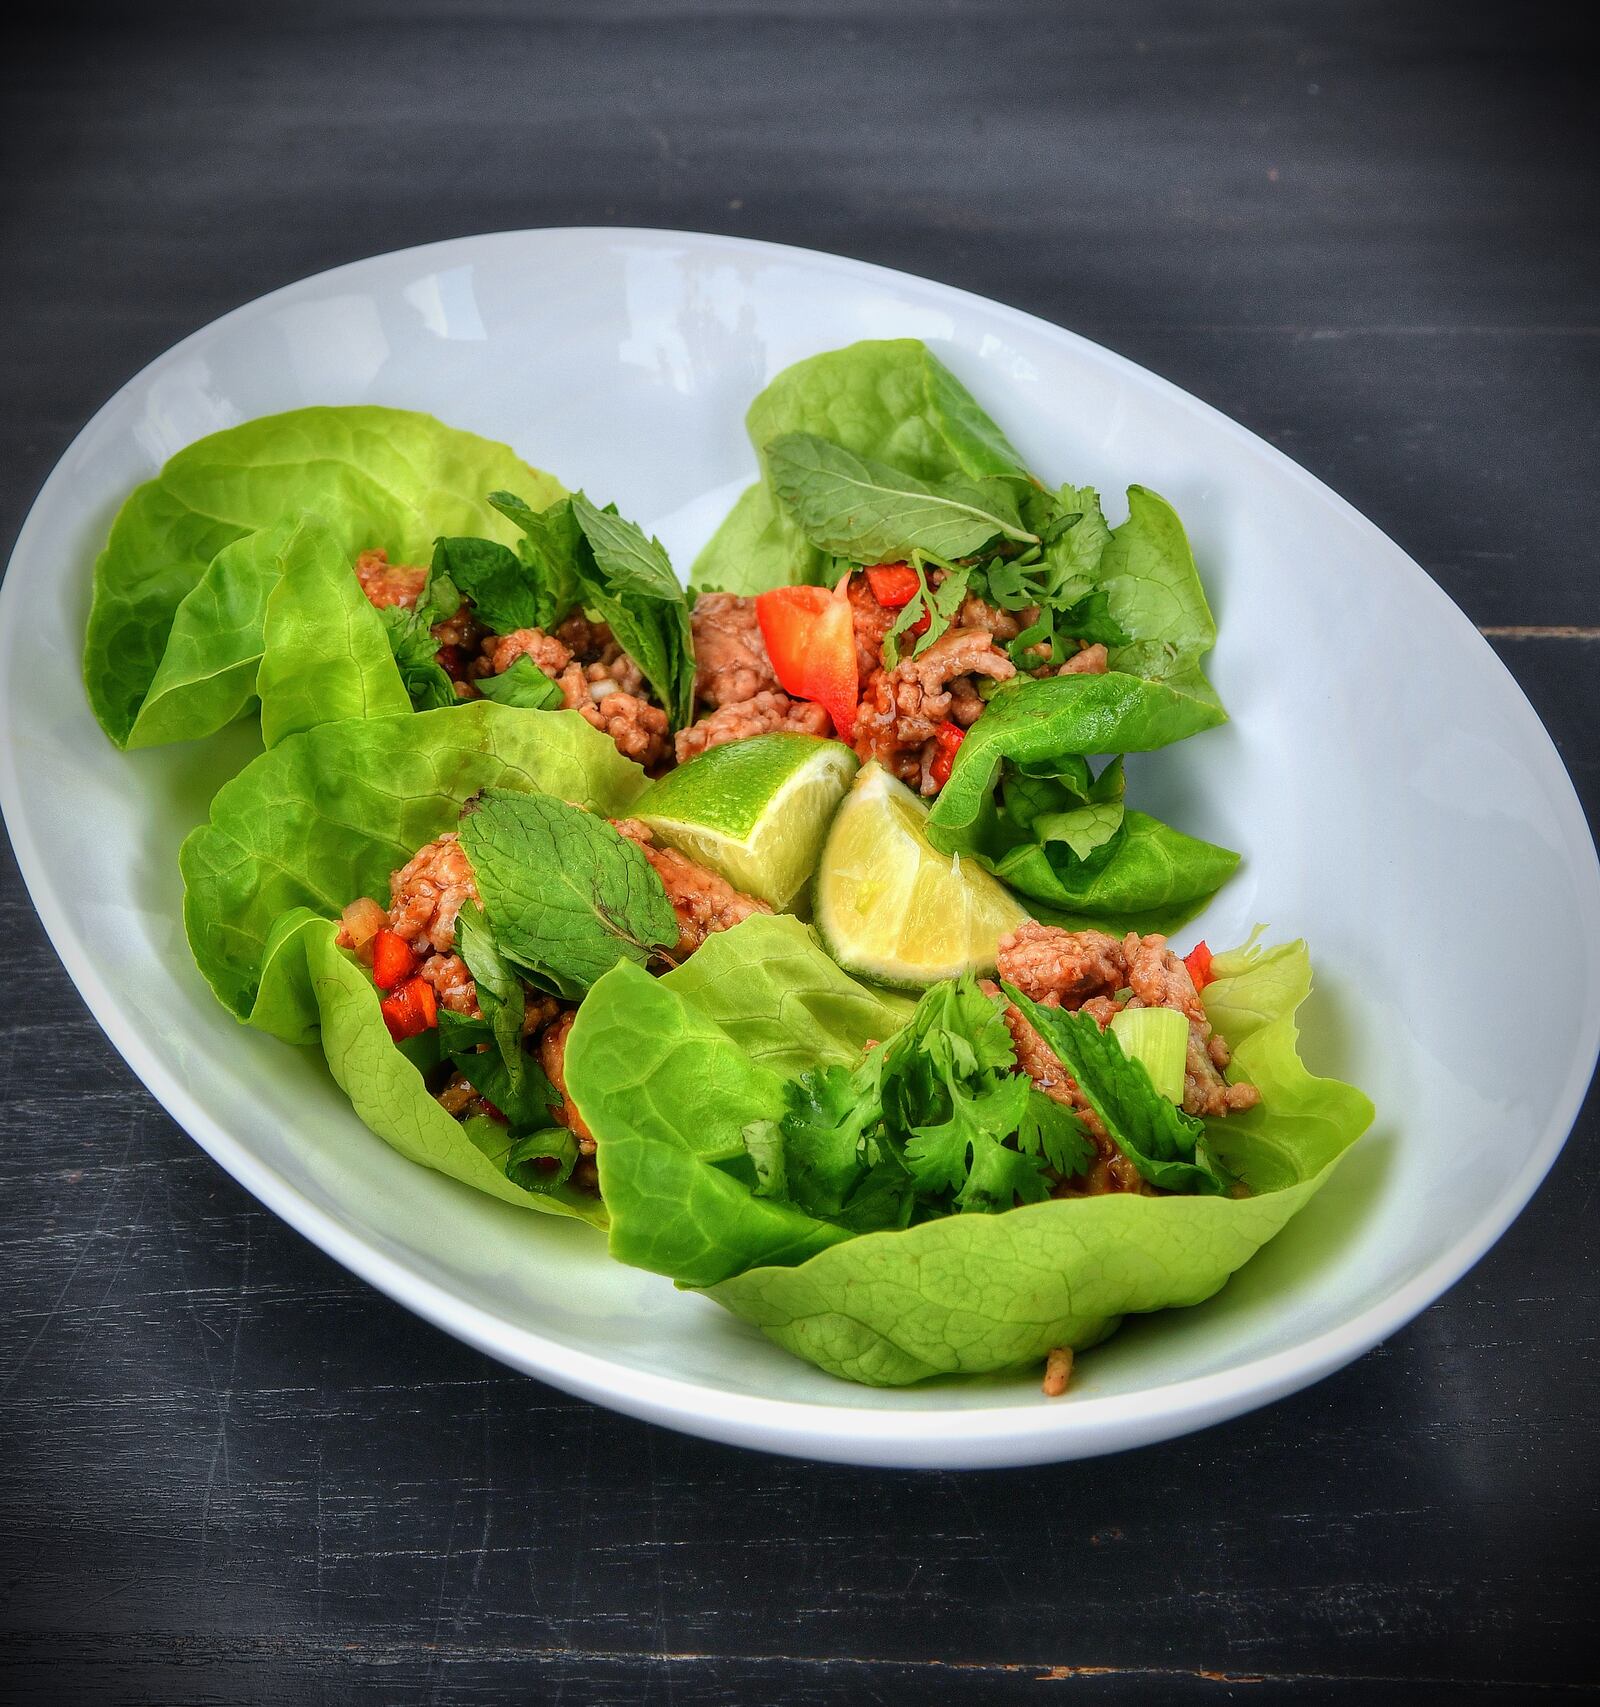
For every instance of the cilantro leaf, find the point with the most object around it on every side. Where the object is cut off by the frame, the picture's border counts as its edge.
(1050, 1130)
(525, 685)
(504, 593)
(1161, 1141)
(566, 897)
(415, 655)
(823, 1137)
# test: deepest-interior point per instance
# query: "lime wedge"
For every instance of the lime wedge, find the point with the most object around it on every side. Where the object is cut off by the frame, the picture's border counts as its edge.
(755, 811)
(890, 906)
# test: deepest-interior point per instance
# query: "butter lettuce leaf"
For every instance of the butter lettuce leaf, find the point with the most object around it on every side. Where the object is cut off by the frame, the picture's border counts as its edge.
(324, 653)
(308, 975)
(674, 1070)
(375, 476)
(327, 814)
(1021, 803)
(975, 1294)
(891, 400)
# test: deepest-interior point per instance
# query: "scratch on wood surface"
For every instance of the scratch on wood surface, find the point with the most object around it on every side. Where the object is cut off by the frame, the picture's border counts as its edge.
(1535, 631)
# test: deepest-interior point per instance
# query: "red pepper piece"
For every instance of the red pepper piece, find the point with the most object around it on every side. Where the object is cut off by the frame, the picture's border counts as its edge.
(392, 959)
(947, 738)
(1198, 960)
(410, 1010)
(893, 585)
(810, 638)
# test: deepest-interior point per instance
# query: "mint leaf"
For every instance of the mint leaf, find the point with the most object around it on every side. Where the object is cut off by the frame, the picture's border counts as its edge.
(524, 685)
(871, 513)
(502, 590)
(629, 582)
(565, 896)
(527, 1094)
(1158, 1138)
(549, 553)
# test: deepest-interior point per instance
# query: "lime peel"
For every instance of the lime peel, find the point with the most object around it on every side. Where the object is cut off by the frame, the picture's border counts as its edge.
(890, 907)
(756, 811)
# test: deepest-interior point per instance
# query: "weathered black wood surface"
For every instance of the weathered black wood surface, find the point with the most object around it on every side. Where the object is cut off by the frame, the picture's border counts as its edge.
(228, 1471)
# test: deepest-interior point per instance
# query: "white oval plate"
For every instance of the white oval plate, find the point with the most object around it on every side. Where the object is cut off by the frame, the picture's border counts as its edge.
(1398, 802)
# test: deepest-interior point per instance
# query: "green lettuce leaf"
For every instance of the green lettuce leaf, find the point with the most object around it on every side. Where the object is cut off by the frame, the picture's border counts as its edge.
(1153, 589)
(1146, 870)
(891, 400)
(324, 653)
(675, 1070)
(1055, 835)
(974, 1294)
(327, 814)
(332, 996)
(376, 477)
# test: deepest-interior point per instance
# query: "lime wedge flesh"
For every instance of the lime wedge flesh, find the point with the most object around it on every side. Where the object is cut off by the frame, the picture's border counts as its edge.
(755, 811)
(890, 906)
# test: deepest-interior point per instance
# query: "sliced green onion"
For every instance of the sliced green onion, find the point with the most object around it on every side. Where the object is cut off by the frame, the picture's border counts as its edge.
(1159, 1038)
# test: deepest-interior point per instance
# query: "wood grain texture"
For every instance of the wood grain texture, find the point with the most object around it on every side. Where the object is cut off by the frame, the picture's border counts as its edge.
(233, 1473)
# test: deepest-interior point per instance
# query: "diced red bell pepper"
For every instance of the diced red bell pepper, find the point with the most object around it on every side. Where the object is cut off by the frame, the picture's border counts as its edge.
(947, 738)
(893, 584)
(811, 640)
(392, 959)
(410, 1010)
(1198, 960)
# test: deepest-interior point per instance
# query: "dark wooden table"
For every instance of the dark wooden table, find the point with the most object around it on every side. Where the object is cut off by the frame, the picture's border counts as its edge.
(230, 1472)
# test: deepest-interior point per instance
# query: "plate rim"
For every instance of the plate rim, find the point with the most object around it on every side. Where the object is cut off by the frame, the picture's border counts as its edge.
(980, 1436)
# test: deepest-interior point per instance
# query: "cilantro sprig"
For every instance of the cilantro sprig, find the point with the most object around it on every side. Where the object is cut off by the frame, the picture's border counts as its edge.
(936, 1121)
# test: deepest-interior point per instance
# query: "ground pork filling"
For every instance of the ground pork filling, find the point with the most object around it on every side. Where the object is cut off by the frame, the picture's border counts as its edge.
(1100, 975)
(426, 896)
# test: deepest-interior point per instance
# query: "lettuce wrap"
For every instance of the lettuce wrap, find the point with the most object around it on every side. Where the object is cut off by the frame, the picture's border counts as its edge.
(674, 1073)
(876, 453)
(180, 594)
(892, 400)
(328, 813)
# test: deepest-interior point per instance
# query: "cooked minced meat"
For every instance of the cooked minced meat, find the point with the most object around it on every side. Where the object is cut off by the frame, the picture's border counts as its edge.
(1089, 971)
(553, 1058)
(901, 709)
(765, 713)
(1091, 661)
(607, 693)
(389, 584)
(730, 657)
(427, 892)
